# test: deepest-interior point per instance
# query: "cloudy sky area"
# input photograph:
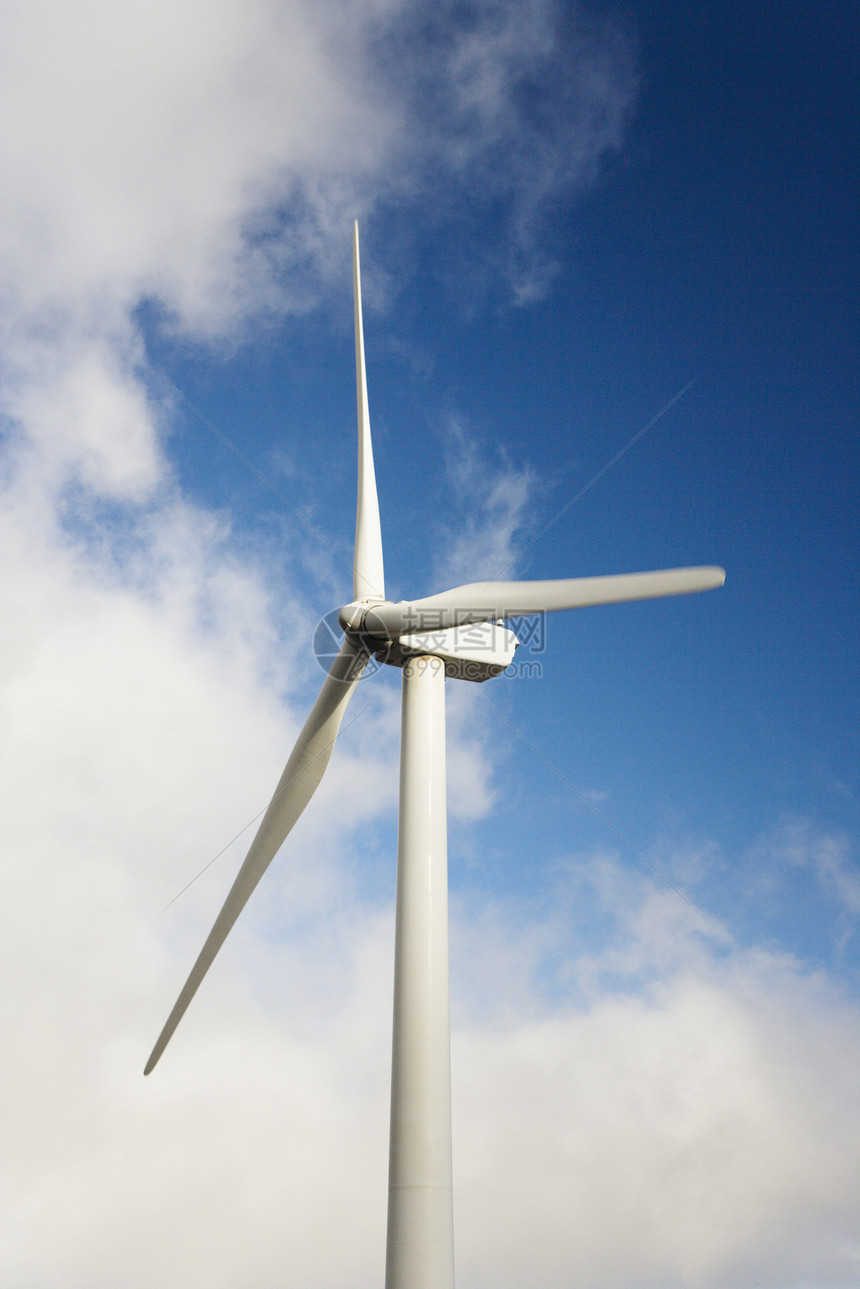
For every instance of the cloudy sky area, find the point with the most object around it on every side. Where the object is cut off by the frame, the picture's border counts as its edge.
(568, 215)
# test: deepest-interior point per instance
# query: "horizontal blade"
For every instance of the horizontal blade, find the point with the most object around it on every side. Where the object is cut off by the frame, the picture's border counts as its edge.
(368, 579)
(298, 783)
(483, 601)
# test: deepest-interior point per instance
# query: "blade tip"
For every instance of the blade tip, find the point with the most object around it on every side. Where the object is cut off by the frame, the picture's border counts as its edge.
(154, 1057)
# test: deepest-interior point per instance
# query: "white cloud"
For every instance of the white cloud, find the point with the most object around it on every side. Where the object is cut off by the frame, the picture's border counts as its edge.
(156, 150)
(694, 1130)
(208, 157)
(142, 722)
(141, 140)
(827, 856)
(490, 499)
(679, 1112)
(78, 408)
(545, 122)
(696, 1136)
(669, 1108)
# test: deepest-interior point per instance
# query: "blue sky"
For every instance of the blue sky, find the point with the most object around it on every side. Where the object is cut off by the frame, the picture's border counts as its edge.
(567, 216)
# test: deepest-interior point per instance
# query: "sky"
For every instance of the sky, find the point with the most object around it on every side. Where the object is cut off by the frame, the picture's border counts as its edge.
(609, 262)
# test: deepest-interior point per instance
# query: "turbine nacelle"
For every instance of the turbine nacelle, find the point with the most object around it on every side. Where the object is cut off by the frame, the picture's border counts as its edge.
(474, 651)
(477, 651)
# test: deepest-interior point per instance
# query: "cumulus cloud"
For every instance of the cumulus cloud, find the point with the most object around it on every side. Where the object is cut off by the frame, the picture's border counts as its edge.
(670, 1108)
(686, 1137)
(202, 154)
(144, 716)
(204, 160)
(673, 1105)
(140, 142)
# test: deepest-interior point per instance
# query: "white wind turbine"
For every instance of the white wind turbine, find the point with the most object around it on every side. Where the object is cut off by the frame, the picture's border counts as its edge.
(427, 639)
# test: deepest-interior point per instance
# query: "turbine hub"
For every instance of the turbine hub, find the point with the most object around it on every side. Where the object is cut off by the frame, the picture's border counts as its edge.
(351, 616)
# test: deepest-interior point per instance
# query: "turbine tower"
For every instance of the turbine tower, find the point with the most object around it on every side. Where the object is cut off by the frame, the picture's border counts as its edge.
(428, 640)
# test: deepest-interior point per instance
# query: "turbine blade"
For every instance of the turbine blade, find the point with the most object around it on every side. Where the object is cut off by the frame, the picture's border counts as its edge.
(297, 784)
(483, 601)
(368, 577)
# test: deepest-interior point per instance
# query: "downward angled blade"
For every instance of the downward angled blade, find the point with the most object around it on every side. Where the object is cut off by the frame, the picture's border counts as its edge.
(482, 601)
(298, 783)
(368, 581)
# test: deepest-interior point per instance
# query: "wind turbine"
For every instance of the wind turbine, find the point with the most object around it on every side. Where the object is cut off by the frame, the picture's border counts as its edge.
(458, 633)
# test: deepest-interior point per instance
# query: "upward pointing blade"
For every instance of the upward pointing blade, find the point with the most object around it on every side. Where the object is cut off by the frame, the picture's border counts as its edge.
(298, 783)
(368, 578)
(482, 601)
